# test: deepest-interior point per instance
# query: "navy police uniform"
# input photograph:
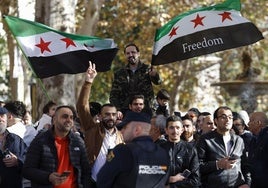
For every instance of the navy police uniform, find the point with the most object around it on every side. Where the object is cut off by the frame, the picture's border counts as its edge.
(140, 163)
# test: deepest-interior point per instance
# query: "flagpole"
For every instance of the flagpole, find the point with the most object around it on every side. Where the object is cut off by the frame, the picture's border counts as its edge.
(39, 80)
(28, 61)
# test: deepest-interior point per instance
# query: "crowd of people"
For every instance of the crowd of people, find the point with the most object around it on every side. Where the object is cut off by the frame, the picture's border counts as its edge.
(133, 141)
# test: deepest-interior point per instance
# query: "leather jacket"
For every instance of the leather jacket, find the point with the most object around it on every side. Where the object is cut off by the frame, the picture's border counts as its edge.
(183, 156)
(211, 148)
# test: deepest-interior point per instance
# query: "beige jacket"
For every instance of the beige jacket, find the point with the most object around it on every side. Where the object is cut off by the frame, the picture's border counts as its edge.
(94, 132)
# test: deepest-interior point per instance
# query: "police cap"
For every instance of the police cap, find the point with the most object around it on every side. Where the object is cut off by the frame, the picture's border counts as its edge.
(134, 116)
(3, 110)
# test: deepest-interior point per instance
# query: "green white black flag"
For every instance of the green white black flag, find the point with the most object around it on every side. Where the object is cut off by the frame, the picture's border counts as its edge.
(203, 31)
(50, 52)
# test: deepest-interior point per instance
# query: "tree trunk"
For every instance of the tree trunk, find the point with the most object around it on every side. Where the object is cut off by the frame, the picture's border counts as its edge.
(88, 26)
(61, 88)
(8, 7)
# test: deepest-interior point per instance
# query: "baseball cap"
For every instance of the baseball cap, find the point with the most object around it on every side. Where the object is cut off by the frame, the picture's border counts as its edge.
(134, 116)
(244, 116)
(3, 110)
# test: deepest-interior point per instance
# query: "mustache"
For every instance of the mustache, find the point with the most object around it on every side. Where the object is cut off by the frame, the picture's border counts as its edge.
(107, 119)
(131, 59)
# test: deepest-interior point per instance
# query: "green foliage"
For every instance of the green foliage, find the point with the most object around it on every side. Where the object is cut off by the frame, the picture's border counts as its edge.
(136, 21)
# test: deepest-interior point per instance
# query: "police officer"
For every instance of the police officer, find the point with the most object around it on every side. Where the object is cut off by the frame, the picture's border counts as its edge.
(139, 162)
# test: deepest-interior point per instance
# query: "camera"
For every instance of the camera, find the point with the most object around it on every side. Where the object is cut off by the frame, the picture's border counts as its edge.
(7, 154)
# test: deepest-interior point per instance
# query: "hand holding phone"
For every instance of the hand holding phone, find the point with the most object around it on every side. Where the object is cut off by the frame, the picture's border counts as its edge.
(65, 173)
(233, 157)
(186, 173)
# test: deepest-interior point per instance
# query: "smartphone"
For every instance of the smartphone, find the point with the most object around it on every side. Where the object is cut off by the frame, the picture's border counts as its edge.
(65, 173)
(7, 154)
(233, 157)
(186, 173)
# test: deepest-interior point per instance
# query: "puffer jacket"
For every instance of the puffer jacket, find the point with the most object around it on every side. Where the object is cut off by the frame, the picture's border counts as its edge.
(41, 160)
(211, 148)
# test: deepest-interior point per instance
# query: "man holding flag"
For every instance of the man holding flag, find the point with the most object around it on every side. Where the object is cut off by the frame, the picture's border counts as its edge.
(135, 78)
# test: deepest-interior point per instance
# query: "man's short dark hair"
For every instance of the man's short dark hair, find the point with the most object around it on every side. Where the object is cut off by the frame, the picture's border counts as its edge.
(186, 117)
(107, 105)
(172, 119)
(17, 108)
(134, 97)
(215, 115)
(131, 44)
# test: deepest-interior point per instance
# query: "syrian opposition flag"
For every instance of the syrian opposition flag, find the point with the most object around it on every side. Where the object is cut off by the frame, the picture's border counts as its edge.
(203, 31)
(50, 52)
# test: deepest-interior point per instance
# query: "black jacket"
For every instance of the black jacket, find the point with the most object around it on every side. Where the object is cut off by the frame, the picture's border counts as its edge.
(41, 160)
(183, 156)
(11, 176)
(211, 148)
(258, 159)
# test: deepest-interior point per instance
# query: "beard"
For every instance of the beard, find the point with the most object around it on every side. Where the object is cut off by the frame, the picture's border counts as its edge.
(65, 128)
(108, 123)
(187, 135)
(132, 60)
(3, 127)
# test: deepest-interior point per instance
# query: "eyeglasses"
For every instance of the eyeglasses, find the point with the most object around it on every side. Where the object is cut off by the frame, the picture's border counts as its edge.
(225, 117)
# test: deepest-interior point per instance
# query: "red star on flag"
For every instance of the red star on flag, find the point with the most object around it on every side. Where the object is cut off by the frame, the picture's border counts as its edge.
(198, 21)
(43, 45)
(225, 15)
(69, 42)
(173, 32)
